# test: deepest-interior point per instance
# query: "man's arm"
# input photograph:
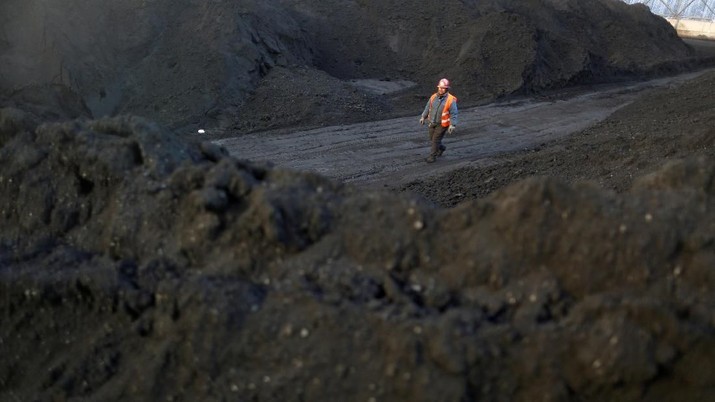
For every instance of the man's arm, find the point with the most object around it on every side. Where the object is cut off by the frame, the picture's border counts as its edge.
(426, 111)
(453, 117)
(453, 114)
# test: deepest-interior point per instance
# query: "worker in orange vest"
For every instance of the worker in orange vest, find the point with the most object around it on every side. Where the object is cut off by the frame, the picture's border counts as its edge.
(441, 116)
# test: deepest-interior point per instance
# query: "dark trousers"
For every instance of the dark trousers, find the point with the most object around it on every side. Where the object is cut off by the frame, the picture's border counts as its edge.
(436, 133)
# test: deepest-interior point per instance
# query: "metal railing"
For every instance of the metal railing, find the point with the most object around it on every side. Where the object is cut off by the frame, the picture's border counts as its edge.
(703, 10)
(690, 18)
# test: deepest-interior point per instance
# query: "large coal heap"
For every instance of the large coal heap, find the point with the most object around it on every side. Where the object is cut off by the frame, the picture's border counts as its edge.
(186, 63)
(137, 267)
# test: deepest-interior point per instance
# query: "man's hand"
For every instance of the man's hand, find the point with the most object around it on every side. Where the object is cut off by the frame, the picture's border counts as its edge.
(422, 121)
(451, 129)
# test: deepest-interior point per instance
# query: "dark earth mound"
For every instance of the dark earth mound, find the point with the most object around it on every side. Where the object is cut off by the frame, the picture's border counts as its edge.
(190, 64)
(136, 266)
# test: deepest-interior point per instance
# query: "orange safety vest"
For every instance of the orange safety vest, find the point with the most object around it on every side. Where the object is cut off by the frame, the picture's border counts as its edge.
(445, 112)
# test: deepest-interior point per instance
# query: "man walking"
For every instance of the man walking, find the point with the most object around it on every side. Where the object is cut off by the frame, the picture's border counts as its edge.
(441, 116)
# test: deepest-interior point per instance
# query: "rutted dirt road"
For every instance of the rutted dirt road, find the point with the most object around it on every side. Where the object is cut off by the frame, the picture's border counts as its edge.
(392, 152)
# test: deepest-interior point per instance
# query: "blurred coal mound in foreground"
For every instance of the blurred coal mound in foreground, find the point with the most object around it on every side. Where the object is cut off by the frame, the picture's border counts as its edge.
(134, 266)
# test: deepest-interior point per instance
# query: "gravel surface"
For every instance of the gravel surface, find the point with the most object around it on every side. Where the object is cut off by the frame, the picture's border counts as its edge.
(663, 125)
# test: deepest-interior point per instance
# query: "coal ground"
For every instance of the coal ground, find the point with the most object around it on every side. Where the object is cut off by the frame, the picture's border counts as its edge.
(136, 266)
(670, 124)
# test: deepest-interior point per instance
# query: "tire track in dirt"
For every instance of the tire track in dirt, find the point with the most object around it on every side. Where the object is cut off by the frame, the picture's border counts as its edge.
(392, 152)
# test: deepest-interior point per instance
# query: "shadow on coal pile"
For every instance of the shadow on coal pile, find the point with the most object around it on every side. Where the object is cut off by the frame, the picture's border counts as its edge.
(253, 65)
(137, 267)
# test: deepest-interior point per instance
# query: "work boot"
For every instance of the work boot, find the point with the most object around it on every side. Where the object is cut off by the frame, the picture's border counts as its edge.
(430, 159)
(442, 148)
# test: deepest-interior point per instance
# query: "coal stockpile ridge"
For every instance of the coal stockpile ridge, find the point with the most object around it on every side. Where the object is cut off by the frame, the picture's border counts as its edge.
(218, 64)
(134, 266)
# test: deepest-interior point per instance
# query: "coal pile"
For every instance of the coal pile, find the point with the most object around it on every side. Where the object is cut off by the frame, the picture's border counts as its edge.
(193, 64)
(134, 266)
